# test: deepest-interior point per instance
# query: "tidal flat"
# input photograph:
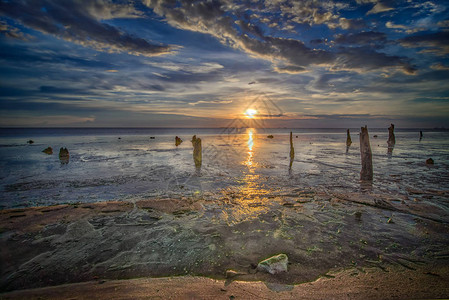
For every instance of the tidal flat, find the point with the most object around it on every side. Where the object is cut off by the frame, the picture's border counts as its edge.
(147, 213)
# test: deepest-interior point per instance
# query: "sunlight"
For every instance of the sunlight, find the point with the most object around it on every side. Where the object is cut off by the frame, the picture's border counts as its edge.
(250, 113)
(249, 160)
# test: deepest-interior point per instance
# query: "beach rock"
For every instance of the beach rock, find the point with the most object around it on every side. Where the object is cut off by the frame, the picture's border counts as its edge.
(348, 139)
(64, 155)
(391, 138)
(30, 142)
(429, 161)
(275, 264)
(232, 274)
(197, 151)
(48, 150)
(178, 141)
(270, 136)
(366, 156)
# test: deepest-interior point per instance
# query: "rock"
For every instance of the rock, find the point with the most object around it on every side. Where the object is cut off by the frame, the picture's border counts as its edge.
(232, 274)
(348, 139)
(64, 156)
(178, 141)
(30, 142)
(270, 136)
(375, 136)
(48, 150)
(366, 156)
(275, 264)
(197, 151)
(429, 161)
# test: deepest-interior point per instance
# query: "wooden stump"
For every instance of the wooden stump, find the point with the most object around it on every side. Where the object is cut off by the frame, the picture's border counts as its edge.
(366, 173)
(197, 152)
(292, 151)
(391, 138)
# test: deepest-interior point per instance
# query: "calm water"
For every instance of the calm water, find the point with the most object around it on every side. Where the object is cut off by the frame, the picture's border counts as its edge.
(127, 164)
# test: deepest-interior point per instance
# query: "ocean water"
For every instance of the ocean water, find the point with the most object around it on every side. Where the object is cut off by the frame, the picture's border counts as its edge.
(128, 164)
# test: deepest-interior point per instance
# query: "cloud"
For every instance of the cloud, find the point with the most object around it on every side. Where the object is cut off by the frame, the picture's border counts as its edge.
(204, 67)
(230, 25)
(289, 69)
(381, 6)
(80, 22)
(439, 66)
(437, 43)
(362, 38)
(346, 24)
(12, 32)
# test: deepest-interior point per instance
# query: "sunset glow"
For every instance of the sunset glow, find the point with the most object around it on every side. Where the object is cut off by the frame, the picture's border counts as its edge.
(251, 113)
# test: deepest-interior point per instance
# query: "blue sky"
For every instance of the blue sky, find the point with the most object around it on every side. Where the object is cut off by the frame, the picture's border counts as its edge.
(168, 63)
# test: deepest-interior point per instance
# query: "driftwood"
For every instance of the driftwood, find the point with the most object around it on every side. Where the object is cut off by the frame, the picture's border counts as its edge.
(197, 153)
(292, 151)
(366, 173)
(391, 138)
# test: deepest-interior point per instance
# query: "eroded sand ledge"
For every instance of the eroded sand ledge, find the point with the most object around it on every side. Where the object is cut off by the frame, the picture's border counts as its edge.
(364, 245)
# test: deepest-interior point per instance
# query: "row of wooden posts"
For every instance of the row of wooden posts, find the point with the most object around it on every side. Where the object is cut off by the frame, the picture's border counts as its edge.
(366, 174)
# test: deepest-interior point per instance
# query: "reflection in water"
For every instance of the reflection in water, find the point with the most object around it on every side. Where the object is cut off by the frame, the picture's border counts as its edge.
(249, 160)
(249, 202)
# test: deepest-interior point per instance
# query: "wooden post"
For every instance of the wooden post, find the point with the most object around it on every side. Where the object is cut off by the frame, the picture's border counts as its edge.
(292, 151)
(391, 138)
(197, 153)
(366, 174)
(348, 139)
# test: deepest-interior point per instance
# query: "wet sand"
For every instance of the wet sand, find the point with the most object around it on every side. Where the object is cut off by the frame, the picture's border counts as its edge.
(348, 284)
(363, 246)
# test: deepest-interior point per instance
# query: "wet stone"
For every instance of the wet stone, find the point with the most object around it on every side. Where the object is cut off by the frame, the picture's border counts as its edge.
(274, 265)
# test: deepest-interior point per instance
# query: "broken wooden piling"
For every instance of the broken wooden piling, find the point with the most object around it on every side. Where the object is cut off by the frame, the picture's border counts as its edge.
(366, 174)
(292, 151)
(197, 152)
(391, 138)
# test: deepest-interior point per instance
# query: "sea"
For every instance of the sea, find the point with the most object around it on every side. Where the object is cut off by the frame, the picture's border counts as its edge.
(129, 164)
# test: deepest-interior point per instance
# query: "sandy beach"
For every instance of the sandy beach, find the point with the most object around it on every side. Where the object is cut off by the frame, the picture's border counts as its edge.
(170, 249)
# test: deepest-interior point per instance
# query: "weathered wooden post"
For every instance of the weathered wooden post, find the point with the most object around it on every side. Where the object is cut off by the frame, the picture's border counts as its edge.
(391, 138)
(366, 174)
(292, 151)
(197, 153)
(348, 139)
(178, 141)
(64, 156)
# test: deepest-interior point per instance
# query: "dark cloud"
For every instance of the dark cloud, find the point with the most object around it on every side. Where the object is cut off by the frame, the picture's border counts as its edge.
(362, 38)
(80, 22)
(366, 58)
(437, 42)
(215, 18)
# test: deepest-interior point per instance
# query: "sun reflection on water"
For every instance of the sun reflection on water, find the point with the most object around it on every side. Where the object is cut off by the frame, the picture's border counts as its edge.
(249, 160)
(249, 202)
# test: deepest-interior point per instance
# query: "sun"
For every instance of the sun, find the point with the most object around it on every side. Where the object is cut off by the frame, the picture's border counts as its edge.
(250, 113)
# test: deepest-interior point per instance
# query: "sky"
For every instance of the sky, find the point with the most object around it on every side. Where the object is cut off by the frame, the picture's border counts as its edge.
(168, 63)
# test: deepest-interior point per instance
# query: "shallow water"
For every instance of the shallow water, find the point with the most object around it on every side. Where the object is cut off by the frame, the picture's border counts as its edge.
(103, 167)
(243, 206)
